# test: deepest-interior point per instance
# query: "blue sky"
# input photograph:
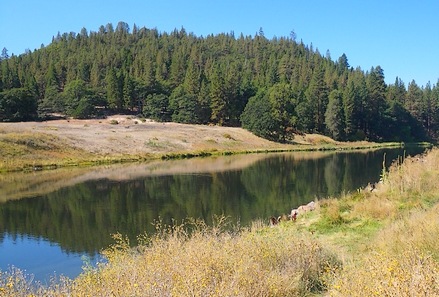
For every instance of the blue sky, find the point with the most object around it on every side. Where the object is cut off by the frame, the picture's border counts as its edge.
(400, 36)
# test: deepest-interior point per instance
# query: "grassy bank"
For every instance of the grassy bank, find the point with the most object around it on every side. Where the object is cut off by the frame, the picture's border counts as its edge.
(374, 242)
(29, 151)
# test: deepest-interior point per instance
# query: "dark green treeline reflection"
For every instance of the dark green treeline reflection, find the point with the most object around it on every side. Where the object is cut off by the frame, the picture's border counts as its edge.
(81, 218)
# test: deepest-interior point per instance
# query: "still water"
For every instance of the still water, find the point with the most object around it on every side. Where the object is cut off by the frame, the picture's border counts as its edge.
(52, 222)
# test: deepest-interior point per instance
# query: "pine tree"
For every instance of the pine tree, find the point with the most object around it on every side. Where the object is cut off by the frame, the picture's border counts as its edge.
(414, 100)
(317, 95)
(4, 55)
(376, 102)
(113, 95)
(218, 99)
(129, 100)
(334, 115)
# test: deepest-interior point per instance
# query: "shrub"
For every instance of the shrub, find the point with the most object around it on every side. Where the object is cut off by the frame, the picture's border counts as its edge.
(197, 260)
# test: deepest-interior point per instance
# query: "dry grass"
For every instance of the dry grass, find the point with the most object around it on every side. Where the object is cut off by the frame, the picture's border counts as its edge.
(211, 262)
(387, 239)
(410, 273)
(72, 142)
(33, 150)
(402, 259)
(196, 260)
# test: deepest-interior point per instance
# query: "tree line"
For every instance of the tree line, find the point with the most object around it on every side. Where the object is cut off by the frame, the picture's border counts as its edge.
(272, 87)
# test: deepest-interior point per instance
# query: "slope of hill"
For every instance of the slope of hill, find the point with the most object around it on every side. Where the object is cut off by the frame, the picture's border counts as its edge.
(35, 145)
(269, 87)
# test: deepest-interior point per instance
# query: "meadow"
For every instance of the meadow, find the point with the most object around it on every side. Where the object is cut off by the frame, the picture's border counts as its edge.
(377, 241)
(29, 146)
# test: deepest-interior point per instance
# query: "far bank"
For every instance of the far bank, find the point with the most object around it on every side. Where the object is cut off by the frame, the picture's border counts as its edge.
(61, 143)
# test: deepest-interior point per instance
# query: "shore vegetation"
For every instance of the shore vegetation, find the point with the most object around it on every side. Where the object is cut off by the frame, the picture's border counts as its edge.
(376, 241)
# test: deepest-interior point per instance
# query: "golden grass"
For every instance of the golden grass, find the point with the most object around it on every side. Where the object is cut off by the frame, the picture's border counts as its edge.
(210, 262)
(30, 145)
(21, 151)
(368, 243)
(402, 258)
(204, 261)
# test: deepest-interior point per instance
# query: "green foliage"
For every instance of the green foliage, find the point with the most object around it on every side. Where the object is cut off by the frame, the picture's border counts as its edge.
(281, 98)
(215, 77)
(78, 99)
(334, 116)
(17, 105)
(317, 96)
(156, 107)
(257, 117)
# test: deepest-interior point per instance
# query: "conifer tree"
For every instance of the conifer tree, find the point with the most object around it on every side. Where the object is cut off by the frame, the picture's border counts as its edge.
(317, 95)
(113, 95)
(376, 102)
(334, 115)
(218, 99)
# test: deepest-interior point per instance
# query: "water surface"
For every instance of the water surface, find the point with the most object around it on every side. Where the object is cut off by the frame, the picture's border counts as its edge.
(51, 221)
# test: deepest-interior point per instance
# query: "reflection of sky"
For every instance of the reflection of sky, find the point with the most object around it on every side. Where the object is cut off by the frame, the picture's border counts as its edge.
(39, 257)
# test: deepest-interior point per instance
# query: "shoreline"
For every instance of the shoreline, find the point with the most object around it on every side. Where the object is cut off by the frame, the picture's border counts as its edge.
(35, 146)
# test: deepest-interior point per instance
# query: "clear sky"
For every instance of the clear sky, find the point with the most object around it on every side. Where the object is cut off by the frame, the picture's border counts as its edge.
(400, 36)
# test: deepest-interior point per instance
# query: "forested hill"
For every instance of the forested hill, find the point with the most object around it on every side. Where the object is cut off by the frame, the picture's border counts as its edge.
(272, 87)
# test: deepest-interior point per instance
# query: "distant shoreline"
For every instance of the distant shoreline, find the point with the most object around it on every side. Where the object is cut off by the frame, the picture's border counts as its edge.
(28, 146)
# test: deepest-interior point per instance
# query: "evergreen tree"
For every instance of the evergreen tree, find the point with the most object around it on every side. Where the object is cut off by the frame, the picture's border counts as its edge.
(156, 107)
(414, 100)
(376, 103)
(317, 95)
(397, 92)
(4, 55)
(434, 122)
(257, 117)
(204, 103)
(334, 115)
(113, 94)
(129, 100)
(218, 98)
(354, 96)
(342, 64)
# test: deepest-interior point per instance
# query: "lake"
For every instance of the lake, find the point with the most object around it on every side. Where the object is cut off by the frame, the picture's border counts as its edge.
(51, 222)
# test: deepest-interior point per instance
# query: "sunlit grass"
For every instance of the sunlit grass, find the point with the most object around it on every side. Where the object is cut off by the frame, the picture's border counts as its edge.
(402, 258)
(193, 259)
(38, 151)
(373, 242)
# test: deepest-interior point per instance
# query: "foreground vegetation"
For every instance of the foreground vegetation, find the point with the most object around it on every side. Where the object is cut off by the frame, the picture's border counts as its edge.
(375, 242)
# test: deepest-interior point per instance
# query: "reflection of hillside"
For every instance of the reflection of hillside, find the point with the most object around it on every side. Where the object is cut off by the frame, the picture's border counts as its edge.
(23, 185)
(127, 199)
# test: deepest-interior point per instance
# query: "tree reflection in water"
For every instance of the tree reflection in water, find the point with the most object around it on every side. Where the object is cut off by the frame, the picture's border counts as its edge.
(79, 210)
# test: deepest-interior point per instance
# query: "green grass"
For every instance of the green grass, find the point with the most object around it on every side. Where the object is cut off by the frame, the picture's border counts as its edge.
(362, 244)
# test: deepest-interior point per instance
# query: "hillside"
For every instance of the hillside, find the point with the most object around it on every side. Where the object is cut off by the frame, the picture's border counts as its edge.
(126, 135)
(267, 86)
(34, 145)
